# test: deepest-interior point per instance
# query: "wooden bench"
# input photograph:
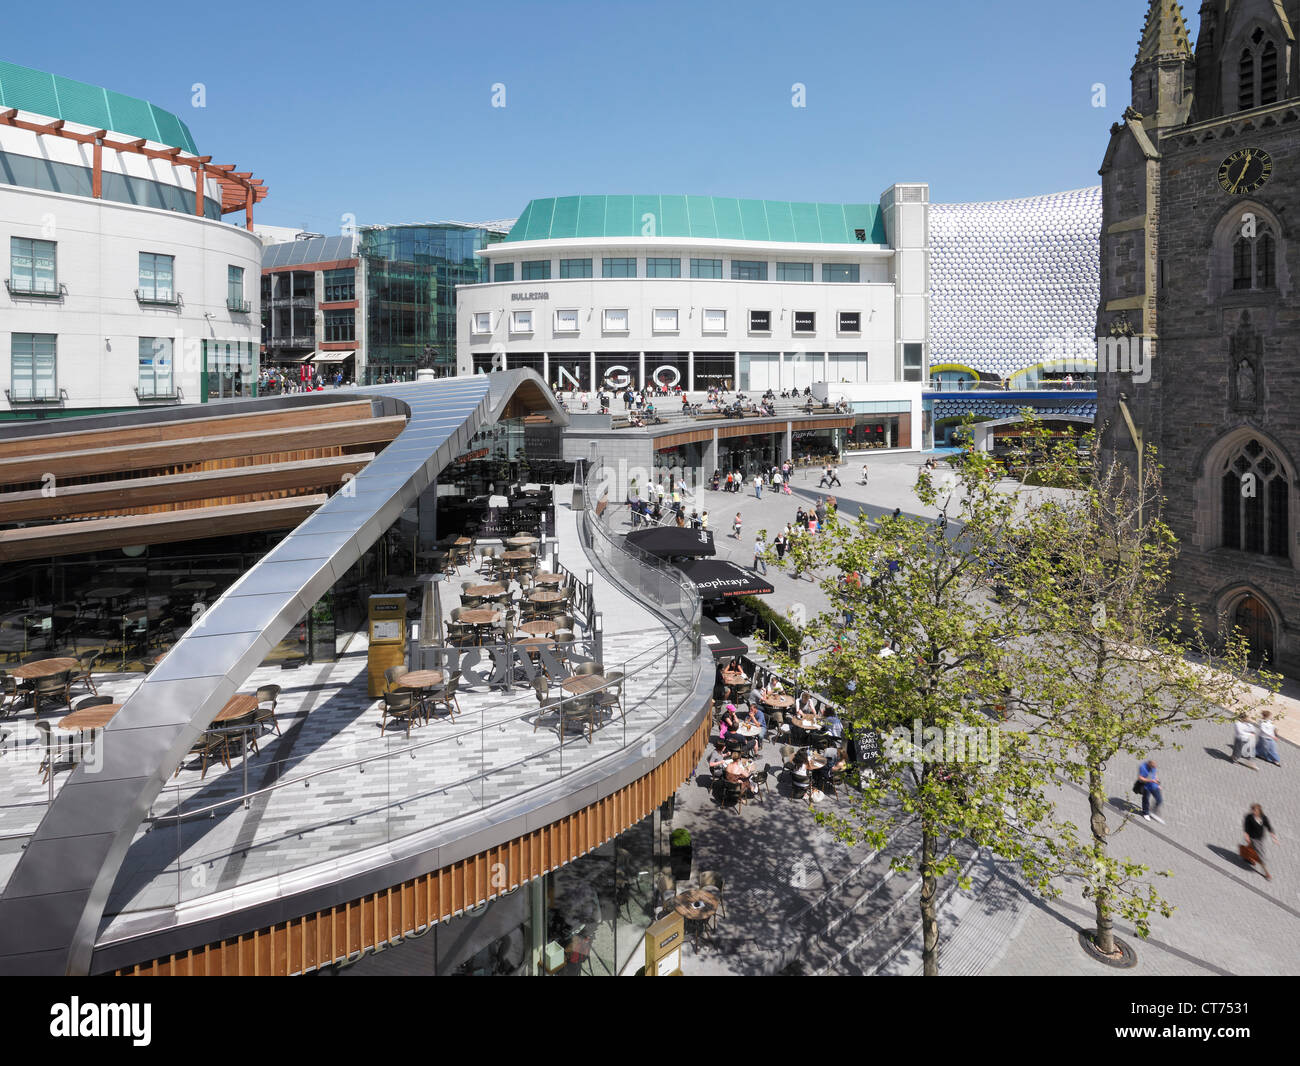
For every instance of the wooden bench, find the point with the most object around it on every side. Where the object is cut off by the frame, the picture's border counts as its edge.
(619, 421)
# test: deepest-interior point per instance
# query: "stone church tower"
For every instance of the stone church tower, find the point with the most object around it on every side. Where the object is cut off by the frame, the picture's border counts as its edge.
(1200, 228)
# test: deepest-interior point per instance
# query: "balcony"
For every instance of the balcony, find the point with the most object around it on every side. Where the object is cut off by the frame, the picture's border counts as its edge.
(160, 396)
(53, 398)
(239, 307)
(155, 300)
(55, 291)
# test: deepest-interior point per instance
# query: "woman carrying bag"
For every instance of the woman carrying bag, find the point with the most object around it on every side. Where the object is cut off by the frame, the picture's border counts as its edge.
(1254, 828)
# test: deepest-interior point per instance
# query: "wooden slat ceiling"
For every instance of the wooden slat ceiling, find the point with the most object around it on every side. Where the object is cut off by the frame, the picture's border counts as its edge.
(84, 490)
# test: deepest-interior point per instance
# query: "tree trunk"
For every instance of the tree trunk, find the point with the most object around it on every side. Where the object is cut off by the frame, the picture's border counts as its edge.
(929, 917)
(1101, 893)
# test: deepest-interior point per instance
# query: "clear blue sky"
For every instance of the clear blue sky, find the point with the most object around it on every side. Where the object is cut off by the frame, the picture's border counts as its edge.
(384, 109)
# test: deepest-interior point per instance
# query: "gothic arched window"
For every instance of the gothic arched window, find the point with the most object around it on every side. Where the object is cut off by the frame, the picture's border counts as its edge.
(1258, 82)
(1256, 500)
(1254, 260)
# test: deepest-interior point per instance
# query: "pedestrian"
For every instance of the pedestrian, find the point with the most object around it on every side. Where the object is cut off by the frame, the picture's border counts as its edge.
(864, 475)
(821, 511)
(1255, 826)
(758, 486)
(943, 523)
(1243, 739)
(729, 481)
(898, 512)
(704, 520)
(779, 544)
(735, 526)
(760, 547)
(1148, 784)
(776, 480)
(1266, 743)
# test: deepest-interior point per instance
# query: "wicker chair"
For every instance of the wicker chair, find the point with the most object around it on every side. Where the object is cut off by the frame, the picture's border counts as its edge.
(444, 697)
(400, 705)
(55, 687)
(545, 702)
(9, 693)
(263, 715)
(86, 663)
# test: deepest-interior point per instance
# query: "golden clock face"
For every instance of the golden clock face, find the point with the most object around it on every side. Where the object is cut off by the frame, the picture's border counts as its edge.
(1245, 171)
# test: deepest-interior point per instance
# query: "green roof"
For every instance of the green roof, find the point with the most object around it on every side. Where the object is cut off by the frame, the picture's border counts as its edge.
(89, 105)
(707, 217)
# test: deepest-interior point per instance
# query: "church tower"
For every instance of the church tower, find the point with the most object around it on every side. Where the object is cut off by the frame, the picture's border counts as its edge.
(1163, 72)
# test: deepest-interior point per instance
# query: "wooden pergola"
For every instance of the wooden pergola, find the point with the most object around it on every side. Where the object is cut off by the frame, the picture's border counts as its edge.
(239, 189)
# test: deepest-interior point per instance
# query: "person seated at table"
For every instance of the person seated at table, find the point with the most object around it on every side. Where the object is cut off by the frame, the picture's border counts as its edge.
(756, 717)
(729, 723)
(718, 757)
(807, 709)
(737, 771)
(833, 726)
(800, 767)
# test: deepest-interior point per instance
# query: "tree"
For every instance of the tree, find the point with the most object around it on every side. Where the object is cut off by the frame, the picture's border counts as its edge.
(1109, 663)
(926, 593)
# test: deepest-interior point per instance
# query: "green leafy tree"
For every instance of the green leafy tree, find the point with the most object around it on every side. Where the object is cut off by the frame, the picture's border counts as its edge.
(1109, 664)
(925, 594)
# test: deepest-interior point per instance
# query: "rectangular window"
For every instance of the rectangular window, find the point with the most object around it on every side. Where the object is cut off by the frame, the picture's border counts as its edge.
(706, 268)
(33, 367)
(663, 268)
(503, 272)
(760, 321)
(850, 321)
(715, 320)
(912, 362)
(618, 268)
(521, 322)
(157, 275)
(482, 322)
(615, 320)
(566, 321)
(235, 288)
(805, 322)
(340, 284)
(341, 325)
(32, 266)
(155, 368)
(575, 268)
(536, 270)
(748, 270)
(841, 272)
(794, 272)
(665, 320)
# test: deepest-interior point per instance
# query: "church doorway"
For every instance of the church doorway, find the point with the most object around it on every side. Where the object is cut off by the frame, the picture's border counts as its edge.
(1253, 619)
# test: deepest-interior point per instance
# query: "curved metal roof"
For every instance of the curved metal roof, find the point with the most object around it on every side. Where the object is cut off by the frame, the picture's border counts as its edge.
(51, 906)
(705, 217)
(89, 105)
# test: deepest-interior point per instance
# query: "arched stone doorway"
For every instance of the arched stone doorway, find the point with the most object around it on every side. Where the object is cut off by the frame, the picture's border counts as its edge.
(1256, 623)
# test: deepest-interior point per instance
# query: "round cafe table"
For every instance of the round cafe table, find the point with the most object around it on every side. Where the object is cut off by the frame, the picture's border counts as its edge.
(90, 718)
(532, 645)
(548, 579)
(195, 586)
(480, 616)
(462, 542)
(484, 591)
(806, 724)
(540, 628)
(42, 668)
(521, 555)
(779, 703)
(420, 679)
(698, 907)
(582, 684)
(522, 540)
(110, 593)
(732, 678)
(546, 596)
(748, 730)
(240, 705)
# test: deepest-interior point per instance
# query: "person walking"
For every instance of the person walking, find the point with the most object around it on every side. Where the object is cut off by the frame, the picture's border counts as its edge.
(821, 511)
(758, 486)
(864, 475)
(704, 519)
(735, 526)
(1148, 783)
(1266, 742)
(1243, 740)
(760, 547)
(1254, 828)
(776, 480)
(779, 544)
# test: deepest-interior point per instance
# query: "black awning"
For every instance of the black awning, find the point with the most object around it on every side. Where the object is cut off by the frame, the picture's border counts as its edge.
(667, 541)
(723, 644)
(716, 578)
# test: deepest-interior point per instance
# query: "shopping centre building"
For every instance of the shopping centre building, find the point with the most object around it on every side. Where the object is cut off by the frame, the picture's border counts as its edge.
(875, 325)
(125, 288)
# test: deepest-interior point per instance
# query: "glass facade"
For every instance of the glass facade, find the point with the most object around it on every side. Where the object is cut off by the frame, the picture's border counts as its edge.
(841, 272)
(155, 368)
(794, 272)
(40, 173)
(503, 272)
(230, 369)
(536, 270)
(157, 273)
(618, 268)
(706, 268)
(575, 268)
(663, 268)
(411, 278)
(748, 270)
(33, 367)
(32, 265)
(340, 284)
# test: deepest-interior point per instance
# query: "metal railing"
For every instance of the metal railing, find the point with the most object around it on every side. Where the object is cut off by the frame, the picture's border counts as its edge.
(56, 291)
(1081, 384)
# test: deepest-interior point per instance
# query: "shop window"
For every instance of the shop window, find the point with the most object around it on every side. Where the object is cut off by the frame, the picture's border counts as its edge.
(521, 322)
(566, 321)
(805, 322)
(715, 320)
(760, 321)
(850, 322)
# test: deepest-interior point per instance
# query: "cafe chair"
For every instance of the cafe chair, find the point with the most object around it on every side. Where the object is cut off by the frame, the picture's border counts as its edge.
(759, 780)
(733, 792)
(208, 746)
(264, 715)
(9, 694)
(665, 893)
(444, 697)
(54, 687)
(713, 883)
(400, 705)
(545, 702)
(52, 744)
(92, 701)
(587, 669)
(391, 674)
(798, 786)
(81, 674)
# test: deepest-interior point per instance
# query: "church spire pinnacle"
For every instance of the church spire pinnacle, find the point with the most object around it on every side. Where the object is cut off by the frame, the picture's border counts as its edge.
(1165, 33)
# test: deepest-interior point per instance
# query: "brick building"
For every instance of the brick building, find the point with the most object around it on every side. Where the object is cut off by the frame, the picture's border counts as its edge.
(1201, 203)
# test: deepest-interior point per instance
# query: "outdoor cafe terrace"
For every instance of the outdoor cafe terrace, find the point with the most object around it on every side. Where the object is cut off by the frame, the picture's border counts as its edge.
(315, 777)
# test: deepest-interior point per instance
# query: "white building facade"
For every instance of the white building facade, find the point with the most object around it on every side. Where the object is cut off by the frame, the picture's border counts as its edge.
(124, 287)
(611, 292)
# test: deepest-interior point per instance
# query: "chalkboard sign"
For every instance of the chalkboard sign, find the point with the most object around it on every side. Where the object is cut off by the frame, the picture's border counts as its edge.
(867, 746)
